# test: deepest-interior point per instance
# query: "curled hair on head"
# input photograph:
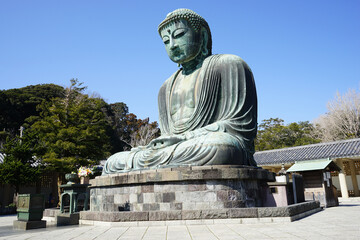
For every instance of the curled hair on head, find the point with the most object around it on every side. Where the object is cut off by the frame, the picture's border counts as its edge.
(195, 20)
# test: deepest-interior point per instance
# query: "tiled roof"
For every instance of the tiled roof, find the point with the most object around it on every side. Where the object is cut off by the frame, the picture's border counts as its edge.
(338, 149)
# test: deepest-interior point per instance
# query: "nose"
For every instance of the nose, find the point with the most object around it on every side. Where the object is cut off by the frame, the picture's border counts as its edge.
(173, 44)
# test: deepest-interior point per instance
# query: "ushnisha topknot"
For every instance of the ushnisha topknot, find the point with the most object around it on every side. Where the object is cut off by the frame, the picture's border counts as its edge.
(195, 20)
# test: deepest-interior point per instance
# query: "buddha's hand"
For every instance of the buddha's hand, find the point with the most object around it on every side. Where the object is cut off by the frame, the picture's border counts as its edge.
(165, 141)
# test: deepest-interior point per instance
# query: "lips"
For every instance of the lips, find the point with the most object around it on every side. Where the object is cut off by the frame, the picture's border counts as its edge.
(176, 52)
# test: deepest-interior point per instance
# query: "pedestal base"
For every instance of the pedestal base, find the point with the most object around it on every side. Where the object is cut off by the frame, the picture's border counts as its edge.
(179, 193)
(26, 225)
(64, 219)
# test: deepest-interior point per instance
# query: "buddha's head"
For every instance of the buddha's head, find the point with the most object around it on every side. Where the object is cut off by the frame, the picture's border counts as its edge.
(186, 36)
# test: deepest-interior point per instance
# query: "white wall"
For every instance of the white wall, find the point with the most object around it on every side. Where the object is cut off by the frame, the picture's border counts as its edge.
(349, 184)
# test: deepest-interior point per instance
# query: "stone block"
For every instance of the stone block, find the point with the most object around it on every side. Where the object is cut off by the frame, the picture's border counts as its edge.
(216, 205)
(140, 198)
(238, 204)
(273, 212)
(176, 206)
(191, 175)
(121, 198)
(64, 219)
(129, 216)
(244, 173)
(133, 198)
(164, 206)
(149, 188)
(154, 176)
(169, 197)
(105, 181)
(151, 207)
(210, 184)
(133, 177)
(157, 216)
(109, 199)
(170, 176)
(119, 179)
(202, 167)
(228, 204)
(191, 214)
(214, 213)
(229, 173)
(234, 195)
(142, 178)
(202, 205)
(197, 186)
(174, 215)
(181, 196)
(164, 216)
(211, 174)
(189, 206)
(149, 197)
(110, 207)
(26, 225)
(222, 195)
(243, 213)
(158, 197)
(137, 207)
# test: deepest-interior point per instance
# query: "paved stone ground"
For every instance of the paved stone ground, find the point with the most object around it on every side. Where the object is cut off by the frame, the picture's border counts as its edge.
(338, 223)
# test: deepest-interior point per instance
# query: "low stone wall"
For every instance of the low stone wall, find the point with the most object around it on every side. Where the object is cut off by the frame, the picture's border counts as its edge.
(261, 212)
(180, 189)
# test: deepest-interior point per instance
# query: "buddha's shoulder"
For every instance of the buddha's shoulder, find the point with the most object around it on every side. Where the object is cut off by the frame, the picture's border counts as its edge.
(225, 58)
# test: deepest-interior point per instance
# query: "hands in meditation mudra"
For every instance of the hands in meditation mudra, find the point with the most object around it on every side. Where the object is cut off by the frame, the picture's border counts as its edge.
(207, 109)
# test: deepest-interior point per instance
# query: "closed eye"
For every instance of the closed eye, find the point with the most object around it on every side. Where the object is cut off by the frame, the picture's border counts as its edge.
(179, 32)
(166, 40)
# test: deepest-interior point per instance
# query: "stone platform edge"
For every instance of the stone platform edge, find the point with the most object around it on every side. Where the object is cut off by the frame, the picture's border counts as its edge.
(294, 212)
(190, 173)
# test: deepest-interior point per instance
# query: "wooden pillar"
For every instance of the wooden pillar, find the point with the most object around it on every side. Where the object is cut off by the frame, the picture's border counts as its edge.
(353, 178)
(342, 180)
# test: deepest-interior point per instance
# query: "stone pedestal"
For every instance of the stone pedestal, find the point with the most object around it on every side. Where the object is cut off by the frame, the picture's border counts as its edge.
(26, 225)
(64, 219)
(74, 191)
(177, 193)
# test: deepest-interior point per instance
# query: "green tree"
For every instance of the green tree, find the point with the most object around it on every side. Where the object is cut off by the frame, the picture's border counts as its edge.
(18, 104)
(71, 131)
(19, 166)
(273, 134)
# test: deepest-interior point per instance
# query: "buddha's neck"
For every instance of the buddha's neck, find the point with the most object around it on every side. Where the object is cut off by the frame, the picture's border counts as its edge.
(191, 66)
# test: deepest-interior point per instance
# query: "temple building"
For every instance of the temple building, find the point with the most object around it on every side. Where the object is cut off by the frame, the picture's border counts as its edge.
(345, 154)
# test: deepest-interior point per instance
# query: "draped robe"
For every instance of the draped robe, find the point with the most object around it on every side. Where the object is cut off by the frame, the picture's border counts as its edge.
(221, 129)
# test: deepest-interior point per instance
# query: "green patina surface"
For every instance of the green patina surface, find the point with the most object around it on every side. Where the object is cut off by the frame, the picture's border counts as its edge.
(30, 207)
(207, 109)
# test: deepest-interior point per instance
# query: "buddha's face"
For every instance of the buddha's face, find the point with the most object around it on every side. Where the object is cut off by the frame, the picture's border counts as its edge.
(182, 43)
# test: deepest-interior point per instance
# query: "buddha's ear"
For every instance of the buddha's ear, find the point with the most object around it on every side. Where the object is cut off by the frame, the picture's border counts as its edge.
(204, 42)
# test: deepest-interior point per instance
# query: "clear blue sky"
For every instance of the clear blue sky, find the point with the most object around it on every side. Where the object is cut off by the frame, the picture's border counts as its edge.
(301, 52)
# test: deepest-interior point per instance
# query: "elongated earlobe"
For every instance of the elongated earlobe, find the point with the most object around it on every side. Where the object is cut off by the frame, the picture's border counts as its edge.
(204, 35)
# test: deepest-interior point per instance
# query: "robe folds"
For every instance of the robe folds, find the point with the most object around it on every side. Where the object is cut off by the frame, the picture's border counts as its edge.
(220, 131)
